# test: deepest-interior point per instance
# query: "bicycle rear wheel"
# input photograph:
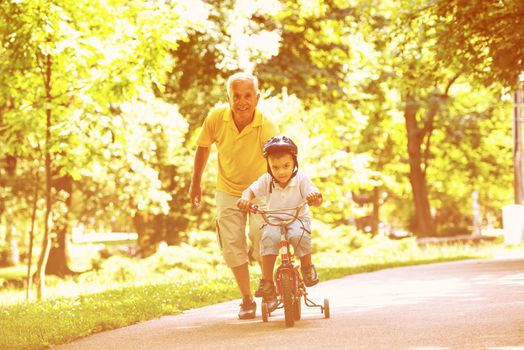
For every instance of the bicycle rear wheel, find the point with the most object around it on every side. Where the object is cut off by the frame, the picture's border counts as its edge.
(265, 312)
(297, 309)
(287, 295)
(326, 308)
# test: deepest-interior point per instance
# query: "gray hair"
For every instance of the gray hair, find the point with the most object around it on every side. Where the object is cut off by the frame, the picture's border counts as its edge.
(241, 76)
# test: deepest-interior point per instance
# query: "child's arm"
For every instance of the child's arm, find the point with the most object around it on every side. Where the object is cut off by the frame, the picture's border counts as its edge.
(245, 201)
(314, 198)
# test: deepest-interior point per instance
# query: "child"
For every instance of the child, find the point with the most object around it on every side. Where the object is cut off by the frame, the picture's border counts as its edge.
(285, 187)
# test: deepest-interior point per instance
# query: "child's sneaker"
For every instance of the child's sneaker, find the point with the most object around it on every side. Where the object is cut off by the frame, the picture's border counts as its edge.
(309, 273)
(264, 288)
(248, 309)
(268, 292)
(271, 302)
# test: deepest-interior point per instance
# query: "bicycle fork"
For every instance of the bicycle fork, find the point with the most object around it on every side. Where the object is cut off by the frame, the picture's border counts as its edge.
(286, 265)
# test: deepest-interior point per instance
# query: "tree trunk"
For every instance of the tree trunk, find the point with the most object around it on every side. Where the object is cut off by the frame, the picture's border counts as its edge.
(424, 221)
(13, 254)
(375, 217)
(29, 278)
(58, 258)
(141, 225)
(46, 242)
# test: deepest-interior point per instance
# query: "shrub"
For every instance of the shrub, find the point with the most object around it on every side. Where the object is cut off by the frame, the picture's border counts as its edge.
(340, 239)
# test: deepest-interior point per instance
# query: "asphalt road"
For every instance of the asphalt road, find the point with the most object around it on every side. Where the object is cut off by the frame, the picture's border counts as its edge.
(476, 304)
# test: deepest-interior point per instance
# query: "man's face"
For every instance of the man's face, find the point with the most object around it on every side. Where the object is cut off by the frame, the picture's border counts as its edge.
(243, 99)
(282, 166)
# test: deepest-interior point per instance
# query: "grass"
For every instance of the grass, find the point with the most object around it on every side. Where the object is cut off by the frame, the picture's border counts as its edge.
(14, 272)
(38, 325)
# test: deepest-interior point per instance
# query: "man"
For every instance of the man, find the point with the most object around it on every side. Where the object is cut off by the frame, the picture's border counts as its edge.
(239, 132)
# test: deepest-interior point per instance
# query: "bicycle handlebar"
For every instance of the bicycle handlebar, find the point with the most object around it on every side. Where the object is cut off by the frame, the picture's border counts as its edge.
(264, 213)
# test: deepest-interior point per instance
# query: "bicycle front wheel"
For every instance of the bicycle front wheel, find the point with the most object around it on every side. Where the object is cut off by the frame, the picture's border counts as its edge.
(297, 309)
(287, 295)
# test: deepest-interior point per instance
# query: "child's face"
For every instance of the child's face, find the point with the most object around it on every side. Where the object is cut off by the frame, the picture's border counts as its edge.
(282, 166)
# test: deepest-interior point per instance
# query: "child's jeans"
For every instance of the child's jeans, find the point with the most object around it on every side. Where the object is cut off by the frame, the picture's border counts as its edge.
(300, 239)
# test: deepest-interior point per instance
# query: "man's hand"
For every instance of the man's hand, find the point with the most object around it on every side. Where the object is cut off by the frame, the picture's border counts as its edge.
(314, 198)
(243, 204)
(195, 194)
(195, 190)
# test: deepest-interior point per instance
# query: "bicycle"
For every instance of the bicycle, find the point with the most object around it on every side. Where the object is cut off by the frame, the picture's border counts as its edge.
(288, 278)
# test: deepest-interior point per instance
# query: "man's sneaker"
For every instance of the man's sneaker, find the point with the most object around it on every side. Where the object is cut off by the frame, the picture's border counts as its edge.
(309, 273)
(264, 288)
(248, 309)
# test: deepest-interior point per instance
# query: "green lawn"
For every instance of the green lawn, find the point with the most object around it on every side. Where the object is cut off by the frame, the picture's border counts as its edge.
(14, 272)
(37, 325)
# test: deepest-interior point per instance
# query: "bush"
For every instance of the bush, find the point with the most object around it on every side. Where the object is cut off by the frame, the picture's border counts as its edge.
(204, 240)
(340, 239)
(184, 257)
(122, 269)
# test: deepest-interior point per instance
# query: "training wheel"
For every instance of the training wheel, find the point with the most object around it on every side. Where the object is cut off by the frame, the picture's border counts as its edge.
(326, 308)
(265, 312)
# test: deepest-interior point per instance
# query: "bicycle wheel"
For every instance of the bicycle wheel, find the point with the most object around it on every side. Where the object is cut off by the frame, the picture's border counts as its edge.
(288, 300)
(265, 312)
(326, 308)
(297, 309)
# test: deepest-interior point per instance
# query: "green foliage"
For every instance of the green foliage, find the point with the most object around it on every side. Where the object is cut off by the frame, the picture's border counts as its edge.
(474, 131)
(131, 82)
(339, 239)
(314, 50)
(108, 132)
(232, 36)
(185, 257)
(490, 40)
(325, 142)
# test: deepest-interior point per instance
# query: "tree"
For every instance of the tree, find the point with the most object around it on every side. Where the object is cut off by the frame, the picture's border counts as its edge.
(429, 98)
(314, 51)
(423, 87)
(473, 139)
(487, 36)
(77, 62)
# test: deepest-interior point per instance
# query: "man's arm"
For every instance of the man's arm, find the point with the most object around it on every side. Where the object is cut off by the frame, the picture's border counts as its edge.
(195, 190)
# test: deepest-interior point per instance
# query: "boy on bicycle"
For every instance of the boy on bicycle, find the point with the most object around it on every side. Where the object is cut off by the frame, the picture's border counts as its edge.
(284, 187)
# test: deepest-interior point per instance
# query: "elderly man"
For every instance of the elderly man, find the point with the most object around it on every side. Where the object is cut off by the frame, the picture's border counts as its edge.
(239, 131)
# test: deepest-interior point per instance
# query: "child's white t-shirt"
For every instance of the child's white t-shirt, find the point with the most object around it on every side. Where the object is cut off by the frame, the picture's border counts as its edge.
(292, 195)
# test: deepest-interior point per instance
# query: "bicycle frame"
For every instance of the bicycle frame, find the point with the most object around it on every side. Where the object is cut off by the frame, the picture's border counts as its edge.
(285, 255)
(289, 282)
(286, 266)
(286, 258)
(290, 285)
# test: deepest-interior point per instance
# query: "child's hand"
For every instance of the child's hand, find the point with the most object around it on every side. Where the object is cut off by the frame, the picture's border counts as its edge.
(243, 204)
(314, 198)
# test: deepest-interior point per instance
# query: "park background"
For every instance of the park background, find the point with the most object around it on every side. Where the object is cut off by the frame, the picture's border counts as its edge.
(402, 112)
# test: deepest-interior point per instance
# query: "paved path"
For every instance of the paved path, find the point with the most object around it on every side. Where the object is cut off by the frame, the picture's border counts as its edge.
(476, 304)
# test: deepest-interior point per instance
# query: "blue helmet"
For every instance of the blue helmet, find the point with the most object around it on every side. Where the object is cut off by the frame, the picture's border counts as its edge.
(280, 144)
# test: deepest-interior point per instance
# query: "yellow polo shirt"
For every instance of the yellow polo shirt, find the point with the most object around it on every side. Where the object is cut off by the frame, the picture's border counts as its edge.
(240, 159)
